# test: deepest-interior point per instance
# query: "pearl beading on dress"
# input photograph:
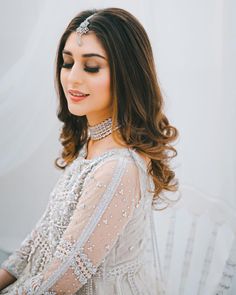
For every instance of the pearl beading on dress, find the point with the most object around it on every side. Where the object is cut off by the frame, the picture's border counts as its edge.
(130, 267)
(82, 265)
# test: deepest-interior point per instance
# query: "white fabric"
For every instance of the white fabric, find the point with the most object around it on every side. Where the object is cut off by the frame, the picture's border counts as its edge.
(96, 234)
(27, 99)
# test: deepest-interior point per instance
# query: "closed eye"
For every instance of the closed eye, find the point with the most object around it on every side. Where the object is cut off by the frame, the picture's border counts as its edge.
(91, 69)
(87, 69)
(67, 66)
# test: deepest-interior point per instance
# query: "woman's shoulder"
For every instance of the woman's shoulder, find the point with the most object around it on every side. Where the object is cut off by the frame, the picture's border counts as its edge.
(113, 151)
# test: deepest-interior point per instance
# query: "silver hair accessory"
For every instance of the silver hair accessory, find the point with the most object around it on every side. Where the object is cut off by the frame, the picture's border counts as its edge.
(83, 28)
(101, 130)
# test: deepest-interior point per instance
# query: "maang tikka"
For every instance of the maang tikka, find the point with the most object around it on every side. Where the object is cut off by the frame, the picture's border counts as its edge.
(83, 28)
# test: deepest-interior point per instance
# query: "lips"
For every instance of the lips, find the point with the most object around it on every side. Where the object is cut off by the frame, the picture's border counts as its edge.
(76, 95)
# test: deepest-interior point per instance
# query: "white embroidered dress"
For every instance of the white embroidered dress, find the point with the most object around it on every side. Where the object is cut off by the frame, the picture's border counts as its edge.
(96, 235)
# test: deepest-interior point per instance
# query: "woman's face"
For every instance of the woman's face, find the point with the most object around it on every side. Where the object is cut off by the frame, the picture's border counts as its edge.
(85, 69)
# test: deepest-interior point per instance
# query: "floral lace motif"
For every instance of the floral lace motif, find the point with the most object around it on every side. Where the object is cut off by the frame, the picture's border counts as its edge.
(81, 264)
(30, 286)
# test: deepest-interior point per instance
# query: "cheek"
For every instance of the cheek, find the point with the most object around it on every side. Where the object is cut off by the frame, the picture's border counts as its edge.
(101, 89)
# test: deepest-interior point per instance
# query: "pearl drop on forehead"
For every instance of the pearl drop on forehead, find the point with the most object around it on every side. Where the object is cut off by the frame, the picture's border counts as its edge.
(83, 28)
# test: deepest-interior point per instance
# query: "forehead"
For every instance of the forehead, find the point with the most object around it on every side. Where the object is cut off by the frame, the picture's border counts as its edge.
(90, 43)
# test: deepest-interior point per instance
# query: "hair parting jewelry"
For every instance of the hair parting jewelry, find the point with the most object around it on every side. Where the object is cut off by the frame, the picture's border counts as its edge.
(83, 28)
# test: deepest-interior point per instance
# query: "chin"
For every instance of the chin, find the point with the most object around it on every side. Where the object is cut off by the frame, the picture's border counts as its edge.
(76, 112)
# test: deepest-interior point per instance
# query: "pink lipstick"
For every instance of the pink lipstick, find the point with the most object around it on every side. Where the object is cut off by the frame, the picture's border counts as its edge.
(76, 95)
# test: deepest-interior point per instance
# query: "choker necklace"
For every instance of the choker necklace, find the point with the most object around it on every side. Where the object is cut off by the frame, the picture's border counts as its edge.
(101, 130)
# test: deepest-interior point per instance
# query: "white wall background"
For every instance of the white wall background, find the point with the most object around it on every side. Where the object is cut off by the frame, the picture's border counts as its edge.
(194, 43)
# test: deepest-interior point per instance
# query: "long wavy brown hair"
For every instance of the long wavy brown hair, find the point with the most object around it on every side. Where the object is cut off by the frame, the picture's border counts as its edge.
(137, 100)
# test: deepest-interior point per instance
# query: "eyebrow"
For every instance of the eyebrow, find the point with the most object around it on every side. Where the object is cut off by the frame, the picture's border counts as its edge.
(84, 55)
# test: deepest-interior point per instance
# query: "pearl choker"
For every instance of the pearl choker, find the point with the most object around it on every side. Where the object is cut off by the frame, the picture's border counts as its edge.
(101, 130)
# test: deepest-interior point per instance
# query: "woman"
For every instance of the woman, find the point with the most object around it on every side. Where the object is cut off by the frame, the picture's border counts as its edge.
(96, 233)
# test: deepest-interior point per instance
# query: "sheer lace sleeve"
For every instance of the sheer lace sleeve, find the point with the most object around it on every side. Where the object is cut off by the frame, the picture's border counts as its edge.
(17, 261)
(107, 202)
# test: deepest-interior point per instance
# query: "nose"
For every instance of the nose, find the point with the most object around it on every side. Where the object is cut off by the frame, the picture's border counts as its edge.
(76, 74)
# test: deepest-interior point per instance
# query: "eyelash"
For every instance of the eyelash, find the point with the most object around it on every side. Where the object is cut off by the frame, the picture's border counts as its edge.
(87, 69)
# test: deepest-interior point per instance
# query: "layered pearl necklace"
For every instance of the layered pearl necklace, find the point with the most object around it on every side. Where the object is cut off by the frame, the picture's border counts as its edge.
(101, 130)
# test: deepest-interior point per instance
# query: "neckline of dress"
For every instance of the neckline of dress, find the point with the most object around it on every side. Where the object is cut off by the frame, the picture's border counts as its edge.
(84, 151)
(122, 150)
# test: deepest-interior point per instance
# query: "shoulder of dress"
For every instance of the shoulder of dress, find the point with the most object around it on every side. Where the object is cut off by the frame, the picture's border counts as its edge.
(126, 155)
(138, 160)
